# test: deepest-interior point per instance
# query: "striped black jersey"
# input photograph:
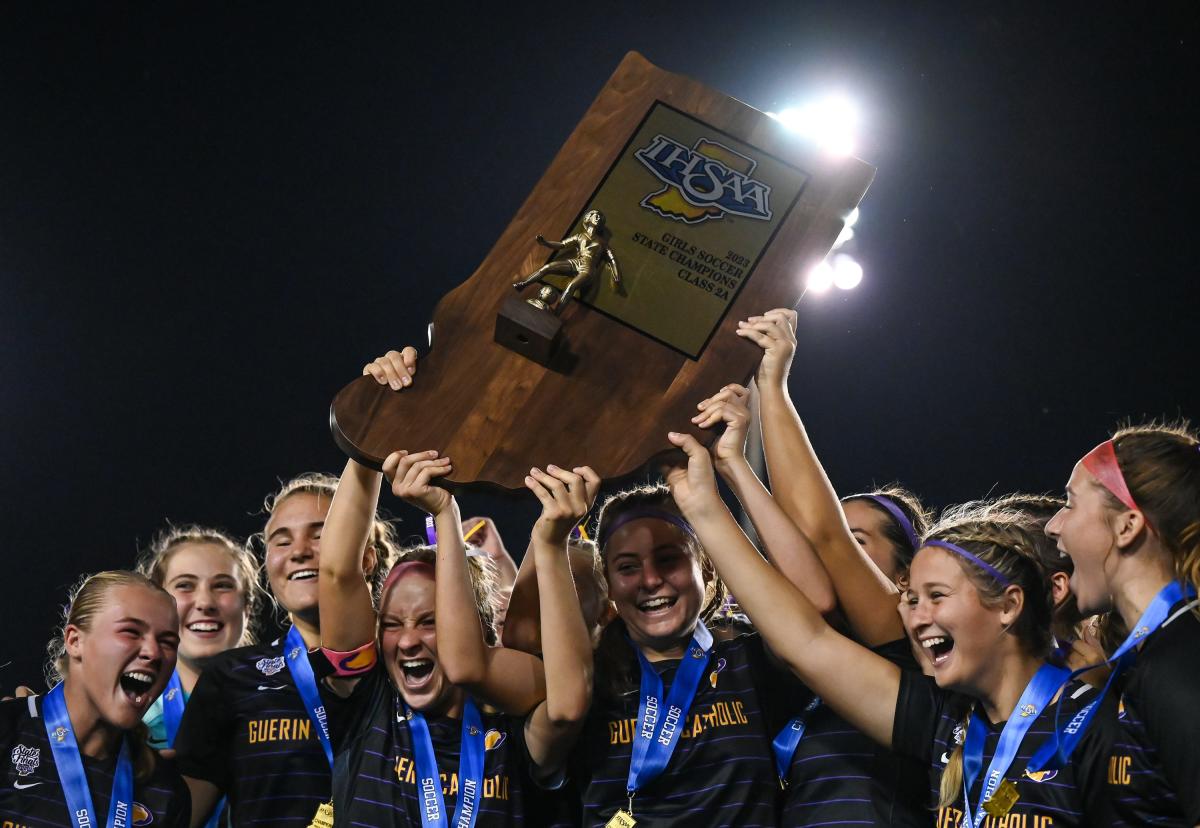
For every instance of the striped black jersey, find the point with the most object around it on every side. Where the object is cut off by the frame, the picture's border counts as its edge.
(246, 730)
(1153, 773)
(930, 723)
(32, 795)
(722, 771)
(839, 776)
(375, 775)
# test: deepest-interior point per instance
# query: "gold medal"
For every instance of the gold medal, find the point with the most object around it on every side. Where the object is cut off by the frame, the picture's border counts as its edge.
(324, 816)
(1002, 800)
(621, 819)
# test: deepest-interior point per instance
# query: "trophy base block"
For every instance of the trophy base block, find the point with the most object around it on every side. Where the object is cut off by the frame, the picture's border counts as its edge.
(533, 333)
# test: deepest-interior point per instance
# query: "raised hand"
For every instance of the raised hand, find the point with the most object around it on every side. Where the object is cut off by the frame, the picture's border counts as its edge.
(731, 406)
(694, 485)
(412, 476)
(775, 333)
(566, 497)
(395, 368)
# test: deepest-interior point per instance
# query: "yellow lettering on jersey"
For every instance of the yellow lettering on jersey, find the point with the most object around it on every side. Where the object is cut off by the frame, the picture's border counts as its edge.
(8, 823)
(1118, 770)
(406, 771)
(719, 714)
(1043, 821)
(452, 790)
(278, 730)
(949, 817)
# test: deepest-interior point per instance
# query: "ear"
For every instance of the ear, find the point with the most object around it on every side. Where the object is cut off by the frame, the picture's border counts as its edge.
(369, 560)
(1060, 588)
(1011, 605)
(607, 613)
(72, 641)
(1127, 527)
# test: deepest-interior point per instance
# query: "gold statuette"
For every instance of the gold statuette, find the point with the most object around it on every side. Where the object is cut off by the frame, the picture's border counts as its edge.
(1002, 800)
(591, 254)
(324, 816)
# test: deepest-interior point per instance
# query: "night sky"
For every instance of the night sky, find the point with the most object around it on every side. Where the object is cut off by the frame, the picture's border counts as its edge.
(212, 215)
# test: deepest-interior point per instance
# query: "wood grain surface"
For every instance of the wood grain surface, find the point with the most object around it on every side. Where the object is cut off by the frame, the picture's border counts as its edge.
(609, 401)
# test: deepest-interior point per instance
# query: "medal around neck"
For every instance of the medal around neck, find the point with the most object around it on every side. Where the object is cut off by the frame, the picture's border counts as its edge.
(323, 818)
(672, 212)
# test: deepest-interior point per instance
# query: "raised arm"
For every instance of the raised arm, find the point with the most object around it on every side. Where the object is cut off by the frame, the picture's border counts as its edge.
(551, 729)
(799, 483)
(509, 680)
(553, 245)
(522, 622)
(784, 543)
(347, 614)
(481, 532)
(787, 620)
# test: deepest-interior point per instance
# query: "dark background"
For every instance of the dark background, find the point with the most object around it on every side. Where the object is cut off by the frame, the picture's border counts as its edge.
(212, 215)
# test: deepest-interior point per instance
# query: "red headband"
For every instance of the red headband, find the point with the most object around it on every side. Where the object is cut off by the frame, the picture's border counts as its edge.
(1102, 463)
(403, 568)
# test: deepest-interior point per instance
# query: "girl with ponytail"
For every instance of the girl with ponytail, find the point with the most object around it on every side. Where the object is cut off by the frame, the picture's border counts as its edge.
(79, 753)
(1131, 526)
(980, 608)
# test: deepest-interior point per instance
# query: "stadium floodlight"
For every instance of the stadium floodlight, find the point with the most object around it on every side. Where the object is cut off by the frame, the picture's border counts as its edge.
(830, 122)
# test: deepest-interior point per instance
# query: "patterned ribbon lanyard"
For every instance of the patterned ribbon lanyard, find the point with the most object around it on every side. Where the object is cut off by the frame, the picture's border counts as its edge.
(172, 708)
(470, 770)
(72, 775)
(658, 734)
(296, 658)
(1037, 694)
(1053, 755)
(788, 740)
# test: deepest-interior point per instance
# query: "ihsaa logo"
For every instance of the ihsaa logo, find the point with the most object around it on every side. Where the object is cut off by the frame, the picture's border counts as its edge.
(704, 182)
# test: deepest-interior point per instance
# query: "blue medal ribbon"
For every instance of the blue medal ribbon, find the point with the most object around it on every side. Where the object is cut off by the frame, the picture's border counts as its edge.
(173, 703)
(1054, 754)
(788, 740)
(72, 775)
(658, 730)
(470, 770)
(296, 657)
(1037, 694)
(172, 708)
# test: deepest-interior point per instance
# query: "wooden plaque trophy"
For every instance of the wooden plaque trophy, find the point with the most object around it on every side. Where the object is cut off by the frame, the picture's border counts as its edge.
(671, 212)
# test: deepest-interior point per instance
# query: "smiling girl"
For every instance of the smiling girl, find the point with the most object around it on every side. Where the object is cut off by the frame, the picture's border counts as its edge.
(980, 607)
(214, 581)
(1131, 526)
(78, 754)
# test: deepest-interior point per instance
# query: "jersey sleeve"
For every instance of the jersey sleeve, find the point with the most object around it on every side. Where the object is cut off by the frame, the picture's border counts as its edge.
(179, 813)
(1169, 698)
(918, 709)
(204, 743)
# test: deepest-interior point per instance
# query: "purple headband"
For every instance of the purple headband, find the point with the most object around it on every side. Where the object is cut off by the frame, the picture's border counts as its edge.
(973, 558)
(897, 515)
(638, 514)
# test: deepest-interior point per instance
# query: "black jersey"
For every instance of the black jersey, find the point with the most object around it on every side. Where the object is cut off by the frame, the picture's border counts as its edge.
(840, 776)
(1154, 771)
(32, 796)
(722, 771)
(246, 730)
(375, 775)
(931, 722)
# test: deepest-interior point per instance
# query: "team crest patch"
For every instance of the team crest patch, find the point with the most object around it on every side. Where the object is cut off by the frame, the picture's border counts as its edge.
(1040, 776)
(494, 739)
(270, 666)
(705, 181)
(712, 677)
(26, 759)
(141, 815)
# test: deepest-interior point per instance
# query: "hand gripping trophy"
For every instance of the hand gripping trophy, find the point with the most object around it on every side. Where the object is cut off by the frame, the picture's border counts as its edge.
(592, 252)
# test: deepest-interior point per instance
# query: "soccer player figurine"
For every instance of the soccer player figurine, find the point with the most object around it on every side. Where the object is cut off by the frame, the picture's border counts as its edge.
(592, 252)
